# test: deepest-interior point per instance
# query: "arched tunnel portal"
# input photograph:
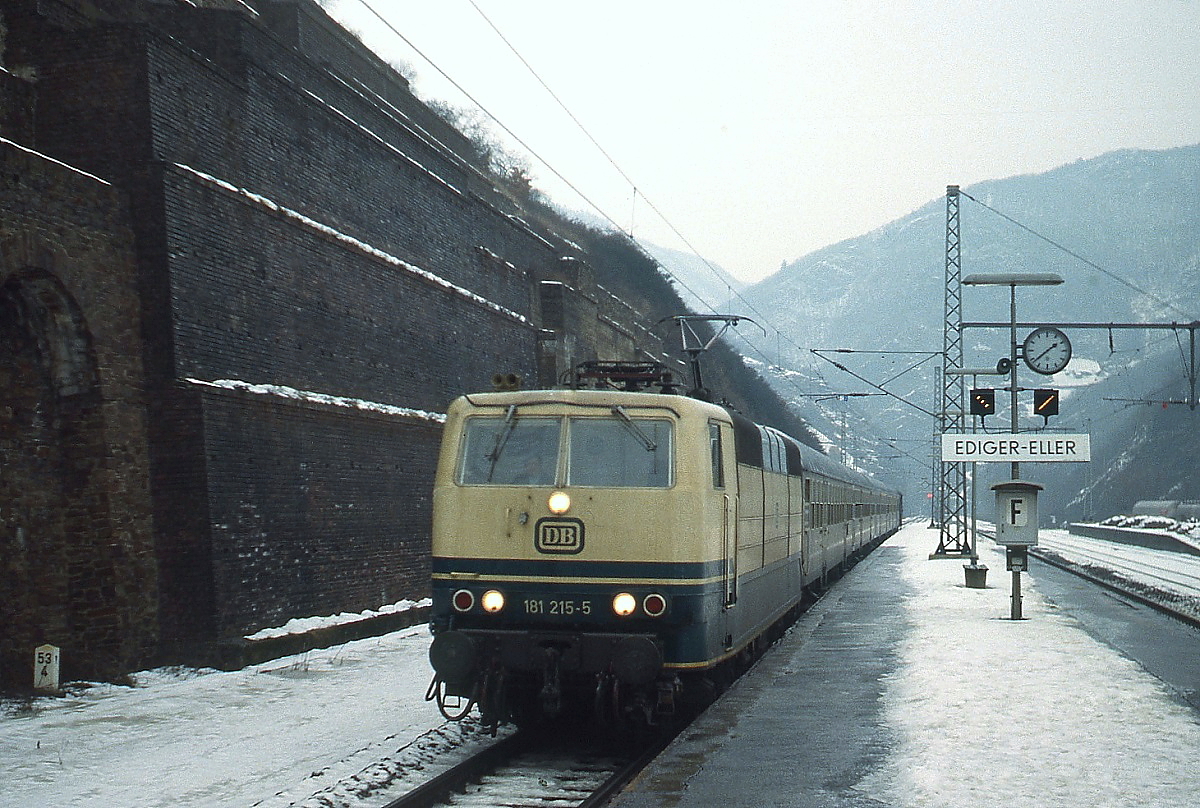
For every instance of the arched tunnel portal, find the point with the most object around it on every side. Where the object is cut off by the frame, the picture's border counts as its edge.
(58, 559)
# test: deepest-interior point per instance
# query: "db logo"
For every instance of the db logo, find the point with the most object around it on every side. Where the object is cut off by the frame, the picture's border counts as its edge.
(559, 536)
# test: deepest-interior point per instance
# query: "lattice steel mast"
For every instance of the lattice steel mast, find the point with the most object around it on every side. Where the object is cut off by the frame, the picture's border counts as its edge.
(952, 491)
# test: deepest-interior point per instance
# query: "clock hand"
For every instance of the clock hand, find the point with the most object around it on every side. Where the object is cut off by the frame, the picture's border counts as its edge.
(1043, 353)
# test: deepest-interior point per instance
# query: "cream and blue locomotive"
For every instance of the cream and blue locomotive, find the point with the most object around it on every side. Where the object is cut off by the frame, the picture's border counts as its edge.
(616, 551)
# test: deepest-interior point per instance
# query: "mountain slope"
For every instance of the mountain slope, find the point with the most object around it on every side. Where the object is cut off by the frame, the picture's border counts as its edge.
(1121, 229)
(700, 283)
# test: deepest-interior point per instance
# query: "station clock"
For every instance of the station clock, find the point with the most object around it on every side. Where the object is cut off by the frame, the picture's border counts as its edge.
(1047, 350)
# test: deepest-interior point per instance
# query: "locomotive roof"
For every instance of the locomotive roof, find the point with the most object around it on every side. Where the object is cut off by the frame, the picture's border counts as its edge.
(588, 397)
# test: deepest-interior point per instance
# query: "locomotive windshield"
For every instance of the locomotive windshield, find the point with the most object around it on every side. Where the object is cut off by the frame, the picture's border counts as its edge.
(619, 451)
(510, 451)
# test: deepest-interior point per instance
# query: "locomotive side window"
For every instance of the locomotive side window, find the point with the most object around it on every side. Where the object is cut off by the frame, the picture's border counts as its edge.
(620, 452)
(500, 450)
(774, 457)
(718, 466)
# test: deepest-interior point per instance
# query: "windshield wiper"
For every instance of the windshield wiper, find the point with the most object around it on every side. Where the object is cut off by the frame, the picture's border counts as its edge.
(510, 423)
(634, 430)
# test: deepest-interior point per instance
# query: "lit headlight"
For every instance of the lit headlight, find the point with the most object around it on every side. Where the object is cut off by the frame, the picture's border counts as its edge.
(492, 601)
(624, 604)
(559, 503)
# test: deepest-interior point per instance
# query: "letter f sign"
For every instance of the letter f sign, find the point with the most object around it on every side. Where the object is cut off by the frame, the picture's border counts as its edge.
(1016, 512)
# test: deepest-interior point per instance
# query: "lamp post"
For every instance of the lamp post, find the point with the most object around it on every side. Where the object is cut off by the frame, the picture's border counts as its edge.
(1012, 280)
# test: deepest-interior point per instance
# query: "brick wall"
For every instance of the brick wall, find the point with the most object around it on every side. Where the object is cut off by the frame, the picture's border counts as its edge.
(76, 550)
(16, 107)
(301, 227)
(315, 240)
(318, 508)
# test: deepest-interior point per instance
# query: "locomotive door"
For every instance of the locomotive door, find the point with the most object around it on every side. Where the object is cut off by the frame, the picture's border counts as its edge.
(729, 542)
(724, 479)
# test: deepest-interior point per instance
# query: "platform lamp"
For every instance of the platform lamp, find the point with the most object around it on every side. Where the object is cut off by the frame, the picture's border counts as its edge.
(1012, 281)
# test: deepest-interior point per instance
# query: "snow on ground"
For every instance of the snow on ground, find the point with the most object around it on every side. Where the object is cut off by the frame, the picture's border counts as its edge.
(995, 712)
(986, 712)
(270, 735)
(301, 625)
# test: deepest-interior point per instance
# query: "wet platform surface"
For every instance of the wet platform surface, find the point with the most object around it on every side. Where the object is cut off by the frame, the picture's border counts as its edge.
(902, 686)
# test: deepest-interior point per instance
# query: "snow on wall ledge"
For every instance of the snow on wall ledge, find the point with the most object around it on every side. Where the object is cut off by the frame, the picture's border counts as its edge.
(281, 391)
(354, 243)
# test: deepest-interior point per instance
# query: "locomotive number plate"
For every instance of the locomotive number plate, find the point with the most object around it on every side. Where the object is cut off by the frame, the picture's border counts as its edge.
(558, 607)
(558, 536)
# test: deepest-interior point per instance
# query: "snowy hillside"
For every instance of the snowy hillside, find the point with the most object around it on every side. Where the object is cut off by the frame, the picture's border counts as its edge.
(1120, 229)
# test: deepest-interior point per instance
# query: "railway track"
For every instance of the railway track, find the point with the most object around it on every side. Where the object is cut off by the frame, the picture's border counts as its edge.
(1162, 580)
(538, 769)
(1177, 572)
(534, 769)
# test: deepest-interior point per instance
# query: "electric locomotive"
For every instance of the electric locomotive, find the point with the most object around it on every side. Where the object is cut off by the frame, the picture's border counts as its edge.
(615, 550)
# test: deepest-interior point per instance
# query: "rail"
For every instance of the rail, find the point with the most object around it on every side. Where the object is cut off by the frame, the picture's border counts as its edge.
(535, 769)
(1160, 579)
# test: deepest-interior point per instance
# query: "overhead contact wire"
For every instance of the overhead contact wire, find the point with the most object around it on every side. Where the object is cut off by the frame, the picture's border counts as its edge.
(509, 131)
(1078, 257)
(580, 193)
(612, 161)
(559, 174)
(649, 202)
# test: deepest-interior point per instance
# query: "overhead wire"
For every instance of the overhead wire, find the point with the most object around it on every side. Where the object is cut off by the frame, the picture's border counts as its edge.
(649, 203)
(611, 160)
(1124, 282)
(625, 176)
(534, 153)
(554, 95)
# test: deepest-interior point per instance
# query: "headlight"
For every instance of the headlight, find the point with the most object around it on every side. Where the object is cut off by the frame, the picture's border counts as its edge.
(492, 601)
(624, 604)
(559, 503)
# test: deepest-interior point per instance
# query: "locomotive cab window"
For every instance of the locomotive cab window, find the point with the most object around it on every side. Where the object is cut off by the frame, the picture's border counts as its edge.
(620, 452)
(510, 450)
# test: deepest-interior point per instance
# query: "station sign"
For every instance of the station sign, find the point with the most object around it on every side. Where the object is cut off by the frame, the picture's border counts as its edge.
(1030, 447)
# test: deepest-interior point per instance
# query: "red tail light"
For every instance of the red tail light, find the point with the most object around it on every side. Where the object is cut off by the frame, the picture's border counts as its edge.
(463, 600)
(654, 605)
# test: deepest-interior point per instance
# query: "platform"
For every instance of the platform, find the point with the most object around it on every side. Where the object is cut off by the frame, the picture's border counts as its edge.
(904, 687)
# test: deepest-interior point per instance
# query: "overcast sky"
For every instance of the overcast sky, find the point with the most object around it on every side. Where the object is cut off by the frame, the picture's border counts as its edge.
(765, 130)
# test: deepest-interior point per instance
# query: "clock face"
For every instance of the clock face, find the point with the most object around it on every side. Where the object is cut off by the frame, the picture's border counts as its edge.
(1047, 350)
